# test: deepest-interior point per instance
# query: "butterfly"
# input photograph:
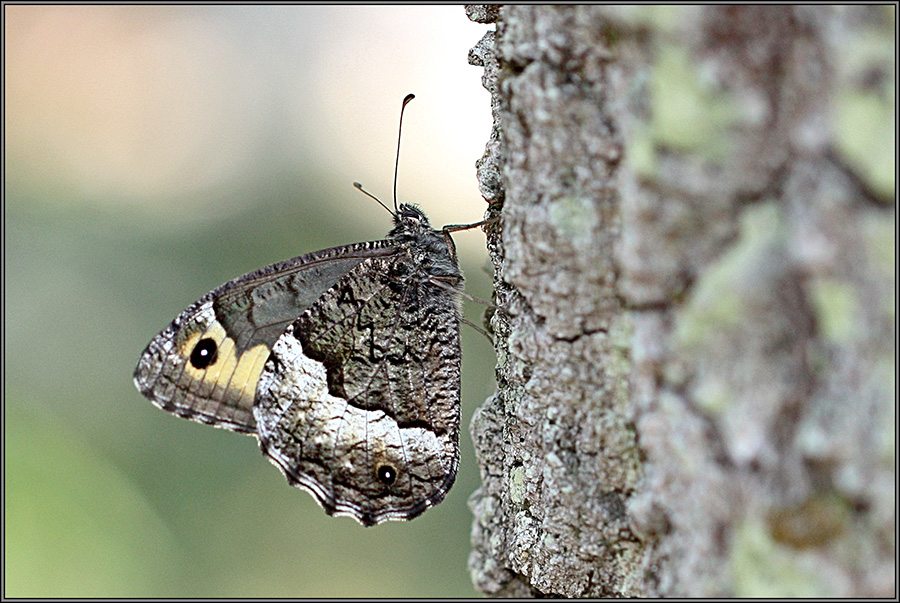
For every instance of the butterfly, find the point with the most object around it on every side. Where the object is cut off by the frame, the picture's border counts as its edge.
(344, 363)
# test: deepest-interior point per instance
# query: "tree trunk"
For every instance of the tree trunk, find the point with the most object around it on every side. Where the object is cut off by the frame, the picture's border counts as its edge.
(695, 270)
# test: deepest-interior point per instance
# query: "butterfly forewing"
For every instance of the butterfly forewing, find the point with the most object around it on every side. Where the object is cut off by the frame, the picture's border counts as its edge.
(235, 327)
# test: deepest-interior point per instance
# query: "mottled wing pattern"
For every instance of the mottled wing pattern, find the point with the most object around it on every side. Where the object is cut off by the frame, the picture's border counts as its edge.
(359, 401)
(206, 364)
(344, 363)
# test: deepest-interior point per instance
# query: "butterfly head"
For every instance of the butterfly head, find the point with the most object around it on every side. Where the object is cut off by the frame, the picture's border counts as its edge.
(409, 220)
(411, 216)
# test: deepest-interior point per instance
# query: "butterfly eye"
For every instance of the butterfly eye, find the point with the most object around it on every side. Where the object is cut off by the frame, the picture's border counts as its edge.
(387, 475)
(204, 353)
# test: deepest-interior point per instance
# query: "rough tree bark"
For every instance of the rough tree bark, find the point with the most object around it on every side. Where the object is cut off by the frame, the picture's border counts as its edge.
(695, 256)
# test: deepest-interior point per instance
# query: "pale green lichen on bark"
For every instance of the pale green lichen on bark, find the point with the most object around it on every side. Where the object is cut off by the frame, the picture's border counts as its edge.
(763, 568)
(880, 239)
(713, 395)
(718, 300)
(661, 19)
(640, 154)
(517, 485)
(886, 376)
(865, 112)
(574, 218)
(836, 305)
(620, 365)
(864, 135)
(687, 114)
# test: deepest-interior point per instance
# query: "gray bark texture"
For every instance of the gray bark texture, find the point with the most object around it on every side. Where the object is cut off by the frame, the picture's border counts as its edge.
(695, 264)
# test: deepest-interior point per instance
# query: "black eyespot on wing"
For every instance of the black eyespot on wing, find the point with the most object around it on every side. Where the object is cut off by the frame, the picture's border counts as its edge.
(387, 475)
(204, 353)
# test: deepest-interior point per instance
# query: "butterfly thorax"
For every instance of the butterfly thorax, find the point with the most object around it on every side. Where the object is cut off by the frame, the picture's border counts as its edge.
(433, 250)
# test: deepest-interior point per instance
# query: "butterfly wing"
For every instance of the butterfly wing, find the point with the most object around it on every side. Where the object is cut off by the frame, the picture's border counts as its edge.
(206, 364)
(344, 363)
(359, 401)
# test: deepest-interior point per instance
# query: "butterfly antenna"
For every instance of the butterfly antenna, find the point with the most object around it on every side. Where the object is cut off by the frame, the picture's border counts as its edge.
(359, 187)
(406, 100)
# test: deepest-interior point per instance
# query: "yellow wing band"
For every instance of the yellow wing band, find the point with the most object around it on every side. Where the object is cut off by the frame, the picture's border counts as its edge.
(229, 378)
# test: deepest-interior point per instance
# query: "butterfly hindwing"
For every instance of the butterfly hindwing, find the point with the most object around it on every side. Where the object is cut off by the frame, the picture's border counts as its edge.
(359, 402)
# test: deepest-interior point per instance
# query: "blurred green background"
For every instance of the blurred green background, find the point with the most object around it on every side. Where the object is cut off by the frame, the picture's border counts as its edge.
(153, 153)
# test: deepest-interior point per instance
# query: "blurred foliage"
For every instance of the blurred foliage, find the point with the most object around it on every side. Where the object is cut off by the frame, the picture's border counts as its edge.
(152, 153)
(108, 496)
